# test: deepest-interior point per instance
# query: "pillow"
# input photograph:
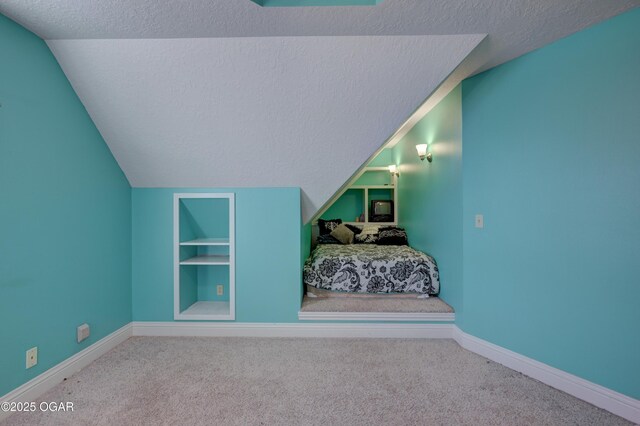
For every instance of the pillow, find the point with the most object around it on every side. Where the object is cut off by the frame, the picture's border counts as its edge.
(392, 236)
(326, 226)
(355, 229)
(370, 229)
(366, 238)
(369, 235)
(327, 239)
(343, 234)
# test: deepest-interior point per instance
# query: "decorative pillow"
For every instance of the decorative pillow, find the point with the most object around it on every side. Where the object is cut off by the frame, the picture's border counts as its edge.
(392, 236)
(370, 229)
(327, 239)
(366, 238)
(369, 235)
(355, 229)
(343, 234)
(326, 226)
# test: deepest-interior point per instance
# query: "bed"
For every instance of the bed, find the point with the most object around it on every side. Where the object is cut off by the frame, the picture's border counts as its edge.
(371, 268)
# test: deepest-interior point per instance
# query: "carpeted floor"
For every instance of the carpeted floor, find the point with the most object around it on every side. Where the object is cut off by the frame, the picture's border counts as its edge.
(318, 300)
(259, 381)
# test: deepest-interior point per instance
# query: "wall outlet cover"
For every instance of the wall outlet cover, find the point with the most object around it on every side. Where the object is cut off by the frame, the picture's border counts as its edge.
(220, 290)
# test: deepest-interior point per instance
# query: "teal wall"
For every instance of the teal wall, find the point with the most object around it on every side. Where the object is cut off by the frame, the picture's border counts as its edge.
(349, 206)
(65, 224)
(268, 253)
(551, 158)
(383, 159)
(430, 194)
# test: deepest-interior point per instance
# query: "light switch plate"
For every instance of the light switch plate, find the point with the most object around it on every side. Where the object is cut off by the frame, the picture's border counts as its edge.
(32, 357)
(83, 332)
(479, 221)
(220, 290)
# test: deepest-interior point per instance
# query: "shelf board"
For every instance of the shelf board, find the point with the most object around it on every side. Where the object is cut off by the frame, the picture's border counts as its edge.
(377, 169)
(372, 187)
(372, 223)
(206, 242)
(206, 310)
(207, 259)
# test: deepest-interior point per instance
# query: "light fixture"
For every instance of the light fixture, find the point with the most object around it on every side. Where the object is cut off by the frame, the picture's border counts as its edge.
(423, 153)
(393, 169)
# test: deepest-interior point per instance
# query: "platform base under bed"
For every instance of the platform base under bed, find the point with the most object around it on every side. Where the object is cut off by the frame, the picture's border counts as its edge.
(332, 301)
(370, 268)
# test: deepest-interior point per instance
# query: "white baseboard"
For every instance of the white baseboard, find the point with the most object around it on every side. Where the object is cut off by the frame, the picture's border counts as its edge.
(40, 384)
(377, 330)
(612, 401)
(376, 316)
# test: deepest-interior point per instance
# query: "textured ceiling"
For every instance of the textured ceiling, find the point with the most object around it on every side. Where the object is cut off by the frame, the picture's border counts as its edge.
(514, 26)
(227, 93)
(275, 111)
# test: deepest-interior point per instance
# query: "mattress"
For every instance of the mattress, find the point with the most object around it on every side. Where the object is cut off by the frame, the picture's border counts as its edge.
(370, 268)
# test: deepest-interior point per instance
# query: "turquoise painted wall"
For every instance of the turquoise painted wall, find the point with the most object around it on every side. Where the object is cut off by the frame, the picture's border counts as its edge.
(430, 194)
(65, 223)
(551, 158)
(383, 159)
(349, 206)
(268, 253)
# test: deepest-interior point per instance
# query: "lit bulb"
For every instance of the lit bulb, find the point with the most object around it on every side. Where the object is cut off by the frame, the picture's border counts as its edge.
(422, 150)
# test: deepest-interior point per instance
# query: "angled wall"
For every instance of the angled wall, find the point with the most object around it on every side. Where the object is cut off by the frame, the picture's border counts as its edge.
(296, 111)
(65, 223)
(551, 157)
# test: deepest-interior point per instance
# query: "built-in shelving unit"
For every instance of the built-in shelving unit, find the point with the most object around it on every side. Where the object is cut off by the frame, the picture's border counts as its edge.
(371, 183)
(204, 256)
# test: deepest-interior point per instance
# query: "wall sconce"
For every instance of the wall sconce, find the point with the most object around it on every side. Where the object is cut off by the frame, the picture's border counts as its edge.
(393, 169)
(423, 152)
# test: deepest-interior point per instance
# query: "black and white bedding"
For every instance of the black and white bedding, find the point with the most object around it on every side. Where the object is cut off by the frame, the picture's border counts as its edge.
(369, 268)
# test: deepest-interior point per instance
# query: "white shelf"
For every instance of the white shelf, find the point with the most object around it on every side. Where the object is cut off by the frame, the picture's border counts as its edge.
(372, 187)
(206, 242)
(206, 310)
(208, 259)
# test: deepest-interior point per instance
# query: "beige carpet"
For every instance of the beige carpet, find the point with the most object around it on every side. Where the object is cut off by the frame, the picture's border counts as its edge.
(332, 301)
(251, 381)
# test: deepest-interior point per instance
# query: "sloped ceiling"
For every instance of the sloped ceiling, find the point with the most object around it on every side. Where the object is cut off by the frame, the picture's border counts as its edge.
(274, 111)
(227, 93)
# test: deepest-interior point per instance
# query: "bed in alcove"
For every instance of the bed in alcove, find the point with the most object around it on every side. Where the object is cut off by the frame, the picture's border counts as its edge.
(370, 272)
(361, 265)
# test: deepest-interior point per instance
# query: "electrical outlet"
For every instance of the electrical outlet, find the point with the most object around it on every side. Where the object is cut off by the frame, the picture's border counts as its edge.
(220, 289)
(32, 357)
(83, 332)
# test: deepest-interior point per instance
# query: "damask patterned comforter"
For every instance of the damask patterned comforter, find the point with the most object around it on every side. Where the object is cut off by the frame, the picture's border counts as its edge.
(370, 268)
